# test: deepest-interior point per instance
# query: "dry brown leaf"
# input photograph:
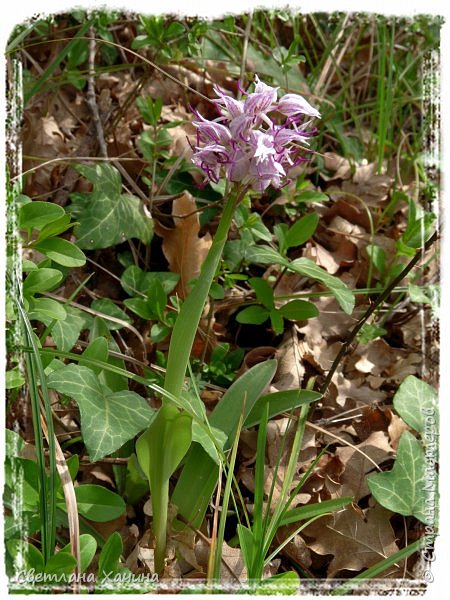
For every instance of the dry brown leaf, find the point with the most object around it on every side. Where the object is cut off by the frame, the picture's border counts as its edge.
(232, 568)
(338, 164)
(357, 466)
(322, 257)
(296, 549)
(356, 542)
(290, 371)
(184, 250)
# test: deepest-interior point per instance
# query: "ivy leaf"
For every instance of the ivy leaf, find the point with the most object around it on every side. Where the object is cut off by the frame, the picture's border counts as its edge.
(340, 291)
(416, 400)
(405, 489)
(108, 420)
(65, 332)
(106, 216)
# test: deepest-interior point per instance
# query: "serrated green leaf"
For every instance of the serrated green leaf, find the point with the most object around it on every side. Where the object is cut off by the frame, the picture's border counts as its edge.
(302, 230)
(108, 420)
(417, 404)
(253, 315)
(106, 216)
(298, 310)
(37, 214)
(62, 252)
(341, 292)
(405, 489)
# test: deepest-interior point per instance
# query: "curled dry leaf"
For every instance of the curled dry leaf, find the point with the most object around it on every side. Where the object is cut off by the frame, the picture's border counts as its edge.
(356, 541)
(183, 248)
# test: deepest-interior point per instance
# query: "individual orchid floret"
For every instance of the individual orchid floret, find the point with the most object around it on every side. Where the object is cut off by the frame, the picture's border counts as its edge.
(293, 104)
(249, 142)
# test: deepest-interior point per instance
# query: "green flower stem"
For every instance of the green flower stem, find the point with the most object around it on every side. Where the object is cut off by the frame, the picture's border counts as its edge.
(186, 325)
(178, 359)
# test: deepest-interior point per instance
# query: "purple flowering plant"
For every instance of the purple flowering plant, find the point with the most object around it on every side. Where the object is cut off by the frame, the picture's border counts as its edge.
(253, 144)
(255, 141)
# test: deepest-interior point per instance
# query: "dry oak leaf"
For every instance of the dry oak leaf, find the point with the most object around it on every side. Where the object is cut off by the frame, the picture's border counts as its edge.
(359, 460)
(356, 542)
(184, 250)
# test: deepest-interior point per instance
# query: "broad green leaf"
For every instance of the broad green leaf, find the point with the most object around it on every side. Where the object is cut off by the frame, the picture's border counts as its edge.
(247, 544)
(159, 332)
(253, 315)
(14, 443)
(43, 309)
(88, 547)
(25, 555)
(198, 478)
(22, 475)
(108, 420)
(377, 256)
(62, 563)
(114, 381)
(97, 349)
(417, 404)
(341, 292)
(302, 230)
(14, 379)
(282, 584)
(108, 561)
(161, 448)
(309, 511)
(106, 216)
(136, 484)
(417, 294)
(41, 280)
(136, 281)
(263, 290)
(140, 306)
(55, 228)
(109, 308)
(405, 489)
(298, 310)
(280, 402)
(65, 332)
(99, 504)
(276, 321)
(37, 214)
(62, 251)
(200, 436)
(311, 196)
(264, 255)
